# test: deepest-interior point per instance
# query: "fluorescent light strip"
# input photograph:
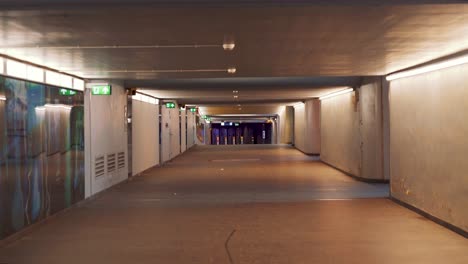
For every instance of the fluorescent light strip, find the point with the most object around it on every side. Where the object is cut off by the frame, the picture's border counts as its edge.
(298, 104)
(229, 70)
(67, 107)
(2, 98)
(78, 47)
(345, 91)
(429, 68)
(78, 84)
(146, 99)
(29, 72)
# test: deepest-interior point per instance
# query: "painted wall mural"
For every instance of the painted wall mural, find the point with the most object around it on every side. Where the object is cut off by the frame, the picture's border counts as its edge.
(41, 152)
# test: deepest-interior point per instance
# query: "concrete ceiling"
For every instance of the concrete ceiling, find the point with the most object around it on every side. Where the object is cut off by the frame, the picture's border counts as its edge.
(104, 39)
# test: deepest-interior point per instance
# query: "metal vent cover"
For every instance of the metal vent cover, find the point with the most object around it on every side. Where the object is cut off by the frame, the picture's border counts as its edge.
(111, 163)
(121, 160)
(99, 166)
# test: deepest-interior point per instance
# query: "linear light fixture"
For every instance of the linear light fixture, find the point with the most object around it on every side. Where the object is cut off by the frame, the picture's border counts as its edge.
(298, 104)
(17, 69)
(428, 68)
(2, 98)
(145, 98)
(230, 70)
(336, 93)
(79, 47)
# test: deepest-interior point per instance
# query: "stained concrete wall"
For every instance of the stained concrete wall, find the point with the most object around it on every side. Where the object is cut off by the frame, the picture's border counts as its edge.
(352, 133)
(145, 136)
(429, 143)
(307, 127)
(286, 125)
(340, 133)
(105, 135)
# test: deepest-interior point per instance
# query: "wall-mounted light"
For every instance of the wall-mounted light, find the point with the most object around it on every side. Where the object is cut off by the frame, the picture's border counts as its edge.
(145, 98)
(144, 71)
(300, 104)
(336, 93)
(429, 68)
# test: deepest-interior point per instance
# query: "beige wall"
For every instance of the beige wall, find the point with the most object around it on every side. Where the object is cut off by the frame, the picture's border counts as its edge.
(340, 133)
(170, 141)
(371, 130)
(286, 124)
(429, 143)
(145, 136)
(105, 134)
(352, 135)
(307, 127)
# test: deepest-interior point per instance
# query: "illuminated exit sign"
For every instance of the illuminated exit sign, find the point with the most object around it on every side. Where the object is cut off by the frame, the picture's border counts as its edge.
(67, 92)
(101, 90)
(170, 105)
(193, 110)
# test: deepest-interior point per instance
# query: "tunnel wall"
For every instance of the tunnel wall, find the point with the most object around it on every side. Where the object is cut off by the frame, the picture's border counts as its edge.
(145, 136)
(352, 131)
(340, 133)
(41, 153)
(105, 136)
(170, 138)
(307, 127)
(286, 125)
(190, 129)
(429, 143)
(183, 130)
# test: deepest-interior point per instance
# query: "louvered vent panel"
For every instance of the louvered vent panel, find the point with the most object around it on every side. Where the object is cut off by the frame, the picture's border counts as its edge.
(111, 163)
(121, 160)
(99, 166)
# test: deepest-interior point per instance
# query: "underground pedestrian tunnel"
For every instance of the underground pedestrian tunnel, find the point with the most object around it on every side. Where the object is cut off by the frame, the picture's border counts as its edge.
(236, 132)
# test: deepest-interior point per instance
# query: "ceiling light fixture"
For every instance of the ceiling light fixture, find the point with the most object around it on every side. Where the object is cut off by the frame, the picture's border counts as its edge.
(2, 98)
(428, 68)
(229, 46)
(79, 47)
(236, 96)
(232, 70)
(336, 93)
(149, 71)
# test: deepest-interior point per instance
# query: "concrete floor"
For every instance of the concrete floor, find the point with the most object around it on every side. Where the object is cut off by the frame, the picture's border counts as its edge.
(240, 204)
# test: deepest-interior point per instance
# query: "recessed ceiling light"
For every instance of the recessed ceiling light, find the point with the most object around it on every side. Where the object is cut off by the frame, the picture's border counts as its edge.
(236, 96)
(235, 91)
(231, 70)
(229, 46)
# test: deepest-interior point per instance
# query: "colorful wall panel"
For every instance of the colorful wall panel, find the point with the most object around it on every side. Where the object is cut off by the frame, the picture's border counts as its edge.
(41, 152)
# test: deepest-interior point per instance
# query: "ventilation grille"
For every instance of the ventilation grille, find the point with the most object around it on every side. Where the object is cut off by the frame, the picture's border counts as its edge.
(99, 166)
(111, 163)
(121, 160)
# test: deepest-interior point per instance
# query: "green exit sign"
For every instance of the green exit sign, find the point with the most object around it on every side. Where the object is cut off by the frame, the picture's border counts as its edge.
(170, 105)
(101, 90)
(193, 110)
(67, 92)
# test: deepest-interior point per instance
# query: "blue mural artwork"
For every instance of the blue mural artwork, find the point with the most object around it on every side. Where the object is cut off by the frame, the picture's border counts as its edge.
(41, 152)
